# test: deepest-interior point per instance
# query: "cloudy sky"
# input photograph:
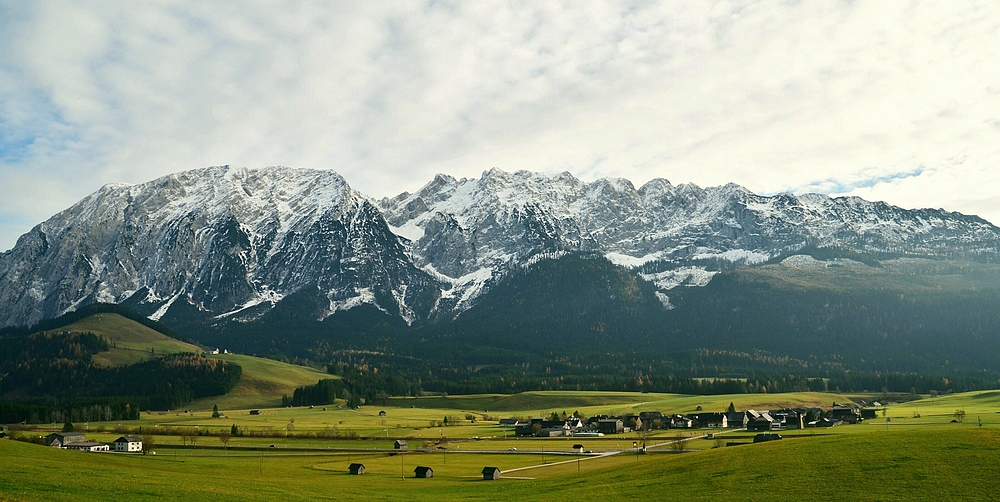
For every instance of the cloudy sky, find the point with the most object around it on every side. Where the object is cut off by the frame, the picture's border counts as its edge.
(895, 101)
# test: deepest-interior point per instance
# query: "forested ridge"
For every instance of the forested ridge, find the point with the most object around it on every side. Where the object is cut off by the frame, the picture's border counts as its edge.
(49, 374)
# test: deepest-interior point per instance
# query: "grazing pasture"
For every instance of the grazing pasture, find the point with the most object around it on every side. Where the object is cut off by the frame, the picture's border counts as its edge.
(933, 464)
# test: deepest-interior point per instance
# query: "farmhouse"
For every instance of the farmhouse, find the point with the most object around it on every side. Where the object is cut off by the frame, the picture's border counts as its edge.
(846, 414)
(356, 468)
(524, 429)
(610, 425)
(423, 471)
(128, 444)
(713, 420)
(491, 473)
(736, 419)
(869, 414)
(61, 439)
(787, 418)
(508, 422)
(631, 422)
(680, 422)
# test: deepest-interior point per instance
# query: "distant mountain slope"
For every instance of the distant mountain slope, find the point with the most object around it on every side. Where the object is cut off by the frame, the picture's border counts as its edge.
(517, 267)
(466, 231)
(223, 239)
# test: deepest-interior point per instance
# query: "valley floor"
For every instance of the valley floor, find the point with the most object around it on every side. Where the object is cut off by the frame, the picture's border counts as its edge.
(919, 455)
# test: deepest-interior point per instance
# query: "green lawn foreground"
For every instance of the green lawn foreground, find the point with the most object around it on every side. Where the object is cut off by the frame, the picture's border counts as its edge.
(940, 463)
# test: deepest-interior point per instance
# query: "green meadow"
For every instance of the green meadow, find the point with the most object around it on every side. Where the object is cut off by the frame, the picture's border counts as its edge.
(133, 342)
(919, 454)
(957, 463)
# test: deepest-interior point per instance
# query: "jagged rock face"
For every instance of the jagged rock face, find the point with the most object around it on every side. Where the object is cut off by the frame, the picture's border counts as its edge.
(466, 230)
(234, 241)
(221, 238)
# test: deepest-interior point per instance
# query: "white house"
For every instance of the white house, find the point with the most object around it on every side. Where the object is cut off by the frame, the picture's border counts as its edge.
(128, 444)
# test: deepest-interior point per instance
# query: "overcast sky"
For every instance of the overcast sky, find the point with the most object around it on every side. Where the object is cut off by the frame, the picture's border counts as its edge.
(893, 101)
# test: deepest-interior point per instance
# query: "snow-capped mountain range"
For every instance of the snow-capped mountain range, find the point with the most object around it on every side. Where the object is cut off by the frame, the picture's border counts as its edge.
(235, 241)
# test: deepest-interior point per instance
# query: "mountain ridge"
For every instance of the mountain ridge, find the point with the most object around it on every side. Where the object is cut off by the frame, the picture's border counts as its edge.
(234, 242)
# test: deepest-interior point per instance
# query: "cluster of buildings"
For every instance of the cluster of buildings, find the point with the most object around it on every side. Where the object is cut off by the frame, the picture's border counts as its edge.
(77, 441)
(752, 420)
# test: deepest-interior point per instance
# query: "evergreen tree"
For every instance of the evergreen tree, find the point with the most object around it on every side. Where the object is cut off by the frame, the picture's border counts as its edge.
(215, 411)
(731, 409)
(67, 427)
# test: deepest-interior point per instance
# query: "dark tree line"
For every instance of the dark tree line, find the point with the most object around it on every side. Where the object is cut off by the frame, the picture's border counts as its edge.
(51, 376)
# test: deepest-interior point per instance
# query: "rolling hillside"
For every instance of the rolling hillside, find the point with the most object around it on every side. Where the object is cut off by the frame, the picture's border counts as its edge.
(264, 382)
(131, 341)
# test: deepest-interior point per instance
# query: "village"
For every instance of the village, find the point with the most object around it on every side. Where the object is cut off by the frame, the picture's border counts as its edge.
(751, 420)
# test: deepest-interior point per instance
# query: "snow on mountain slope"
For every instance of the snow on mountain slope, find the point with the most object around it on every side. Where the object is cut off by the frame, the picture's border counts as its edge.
(478, 227)
(223, 238)
(235, 241)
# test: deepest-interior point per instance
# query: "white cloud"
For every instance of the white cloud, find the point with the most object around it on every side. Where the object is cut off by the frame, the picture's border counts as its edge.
(878, 99)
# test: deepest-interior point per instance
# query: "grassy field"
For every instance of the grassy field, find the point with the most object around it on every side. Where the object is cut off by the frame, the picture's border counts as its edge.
(133, 342)
(263, 383)
(941, 463)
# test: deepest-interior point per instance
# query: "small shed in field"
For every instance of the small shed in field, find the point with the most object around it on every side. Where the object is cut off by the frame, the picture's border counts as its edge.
(356, 468)
(422, 471)
(578, 448)
(400, 444)
(381, 413)
(491, 473)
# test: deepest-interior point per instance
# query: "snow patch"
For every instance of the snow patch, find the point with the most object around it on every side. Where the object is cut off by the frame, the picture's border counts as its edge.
(684, 276)
(805, 262)
(623, 260)
(266, 296)
(364, 296)
(160, 312)
(664, 299)
(736, 255)
(410, 231)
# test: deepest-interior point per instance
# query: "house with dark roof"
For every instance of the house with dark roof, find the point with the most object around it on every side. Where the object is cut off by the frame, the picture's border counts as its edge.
(491, 473)
(711, 420)
(525, 429)
(680, 422)
(578, 448)
(846, 414)
(760, 421)
(61, 439)
(610, 426)
(422, 471)
(356, 468)
(508, 422)
(128, 444)
(736, 419)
